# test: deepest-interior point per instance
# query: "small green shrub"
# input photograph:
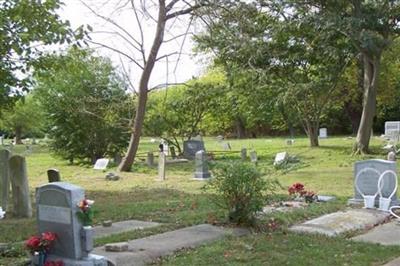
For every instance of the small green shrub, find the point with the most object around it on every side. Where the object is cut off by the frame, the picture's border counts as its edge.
(241, 189)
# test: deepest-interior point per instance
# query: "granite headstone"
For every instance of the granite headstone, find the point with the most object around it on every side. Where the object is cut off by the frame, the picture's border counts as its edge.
(19, 186)
(201, 171)
(190, 147)
(368, 180)
(57, 205)
(53, 175)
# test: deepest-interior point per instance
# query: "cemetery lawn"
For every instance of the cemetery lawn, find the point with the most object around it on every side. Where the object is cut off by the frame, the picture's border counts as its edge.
(180, 201)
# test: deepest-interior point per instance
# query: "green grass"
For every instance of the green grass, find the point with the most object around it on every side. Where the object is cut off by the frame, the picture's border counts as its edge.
(179, 201)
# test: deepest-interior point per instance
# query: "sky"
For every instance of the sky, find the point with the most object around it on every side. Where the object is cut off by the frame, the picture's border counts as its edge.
(179, 68)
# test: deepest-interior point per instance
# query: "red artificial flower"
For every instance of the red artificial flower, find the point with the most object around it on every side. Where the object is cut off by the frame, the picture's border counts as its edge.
(296, 188)
(54, 263)
(49, 236)
(33, 243)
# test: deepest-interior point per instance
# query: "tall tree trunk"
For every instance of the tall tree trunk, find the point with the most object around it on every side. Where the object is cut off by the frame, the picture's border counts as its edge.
(240, 128)
(353, 107)
(129, 158)
(18, 135)
(371, 75)
(311, 129)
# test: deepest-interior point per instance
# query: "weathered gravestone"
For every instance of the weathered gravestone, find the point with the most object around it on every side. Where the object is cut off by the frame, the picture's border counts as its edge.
(368, 180)
(281, 158)
(2, 140)
(150, 159)
(201, 166)
(191, 147)
(4, 178)
(101, 164)
(57, 207)
(53, 175)
(243, 154)
(323, 133)
(253, 157)
(392, 128)
(19, 186)
(161, 166)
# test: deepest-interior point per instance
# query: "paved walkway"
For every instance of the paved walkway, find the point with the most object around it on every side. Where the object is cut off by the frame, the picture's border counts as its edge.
(148, 249)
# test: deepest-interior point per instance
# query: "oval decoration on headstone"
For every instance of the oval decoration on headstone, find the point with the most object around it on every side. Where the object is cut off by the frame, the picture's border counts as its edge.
(385, 200)
(366, 184)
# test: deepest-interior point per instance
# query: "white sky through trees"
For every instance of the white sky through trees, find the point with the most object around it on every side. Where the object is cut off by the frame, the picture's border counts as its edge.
(120, 11)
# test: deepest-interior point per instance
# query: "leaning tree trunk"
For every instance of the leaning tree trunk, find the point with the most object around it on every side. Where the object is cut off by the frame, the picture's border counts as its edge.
(371, 75)
(18, 135)
(129, 158)
(240, 128)
(311, 129)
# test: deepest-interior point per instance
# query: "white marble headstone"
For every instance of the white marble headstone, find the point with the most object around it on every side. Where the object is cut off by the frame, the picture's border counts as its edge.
(281, 158)
(323, 133)
(101, 164)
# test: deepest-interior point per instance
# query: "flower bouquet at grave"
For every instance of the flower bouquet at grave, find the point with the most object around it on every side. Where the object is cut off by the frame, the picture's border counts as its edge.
(85, 213)
(298, 191)
(39, 246)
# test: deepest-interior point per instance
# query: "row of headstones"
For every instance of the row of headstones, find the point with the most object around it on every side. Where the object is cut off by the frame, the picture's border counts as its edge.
(13, 172)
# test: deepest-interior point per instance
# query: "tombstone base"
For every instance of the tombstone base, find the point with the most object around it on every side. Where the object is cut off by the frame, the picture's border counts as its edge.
(354, 201)
(91, 260)
(202, 175)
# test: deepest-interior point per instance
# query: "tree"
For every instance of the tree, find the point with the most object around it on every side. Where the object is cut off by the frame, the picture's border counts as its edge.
(24, 118)
(86, 105)
(283, 43)
(145, 58)
(25, 26)
(177, 113)
(371, 27)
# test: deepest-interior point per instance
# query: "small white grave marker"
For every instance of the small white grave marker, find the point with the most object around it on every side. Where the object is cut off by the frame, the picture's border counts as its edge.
(323, 133)
(281, 158)
(101, 164)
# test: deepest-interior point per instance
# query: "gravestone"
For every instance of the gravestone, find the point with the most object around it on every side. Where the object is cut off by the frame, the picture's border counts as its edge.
(19, 187)
(281, 158)
(226, 146)
(201, 166)
(220, 138)
(1, 140)
(101, 164)
(392, 127)
(161, 166)
(191, 147)
(289, 142)
(253, 157)
(243, 154)
(150, 159)
(53, 175)
(391, 156)
(368, 180)
(323, 133)
(4, 178)
(57, 207)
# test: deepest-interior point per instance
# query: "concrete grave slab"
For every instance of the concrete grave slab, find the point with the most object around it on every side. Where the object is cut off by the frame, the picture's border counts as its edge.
(336, 223)
(385, 234)
(146, 250)
(120, 227)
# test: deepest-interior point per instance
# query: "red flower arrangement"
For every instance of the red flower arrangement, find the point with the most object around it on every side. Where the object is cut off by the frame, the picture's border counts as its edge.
(298, 190)
(54, 263)
(85, 213)
(42, 243)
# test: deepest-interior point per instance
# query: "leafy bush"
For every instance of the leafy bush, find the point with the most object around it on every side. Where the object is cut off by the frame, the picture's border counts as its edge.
(241, 189)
